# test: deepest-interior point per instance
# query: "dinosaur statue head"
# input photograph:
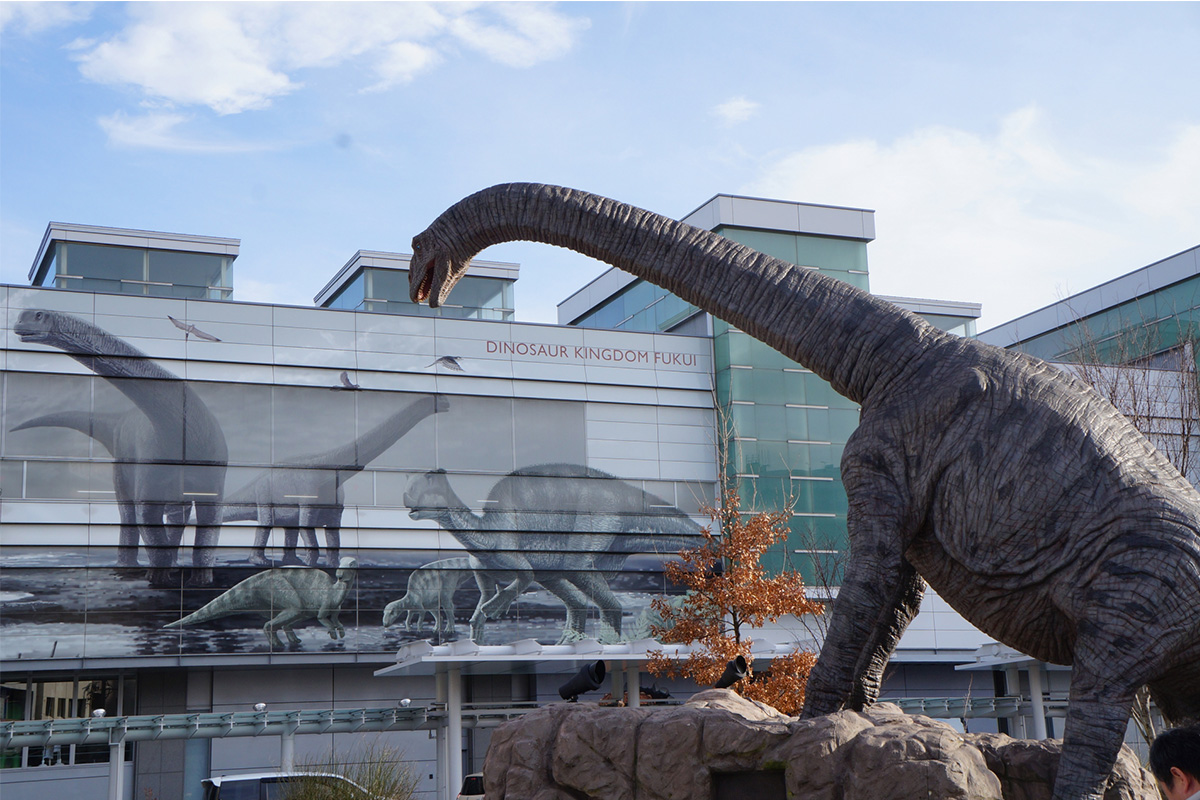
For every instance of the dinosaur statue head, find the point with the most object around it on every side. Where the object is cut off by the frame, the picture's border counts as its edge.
(429, 495)
(436, 265)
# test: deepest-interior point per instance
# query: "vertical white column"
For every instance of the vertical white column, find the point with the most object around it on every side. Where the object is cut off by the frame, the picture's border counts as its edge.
(116, 767)
(635, 685)
(618, 684)
(443, 759)
(1039, 706)
(454, 730)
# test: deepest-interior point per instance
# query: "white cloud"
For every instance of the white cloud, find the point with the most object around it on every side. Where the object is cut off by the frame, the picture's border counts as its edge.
(158, 131)
(30, 18)
(401, 62)
(735, 110)
(526, 33)
(234, 57)
(1013, 220)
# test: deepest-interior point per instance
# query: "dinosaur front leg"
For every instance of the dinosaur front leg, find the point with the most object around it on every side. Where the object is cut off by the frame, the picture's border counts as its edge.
(204, 554)
(291, 537)
(879, 596)
(333, 542)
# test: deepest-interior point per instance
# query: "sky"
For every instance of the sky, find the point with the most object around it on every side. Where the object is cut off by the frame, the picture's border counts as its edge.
(1013, 153)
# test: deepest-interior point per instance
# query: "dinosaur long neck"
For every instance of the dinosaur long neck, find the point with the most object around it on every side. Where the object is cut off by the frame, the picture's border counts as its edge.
(457, 518)
(355, 455)
(161, 395)
(855, 341)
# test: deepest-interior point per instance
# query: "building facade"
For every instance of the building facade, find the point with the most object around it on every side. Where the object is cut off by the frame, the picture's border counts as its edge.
(178, 470)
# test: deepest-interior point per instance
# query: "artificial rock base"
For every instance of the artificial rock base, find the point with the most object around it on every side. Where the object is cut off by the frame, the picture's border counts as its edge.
(576, 751)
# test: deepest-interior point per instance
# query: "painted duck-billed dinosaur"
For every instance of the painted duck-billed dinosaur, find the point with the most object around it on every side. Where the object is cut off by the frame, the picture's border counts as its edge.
(565, 526)
(286, 596)
(1028, 502)
(170, 459)
(304, 494)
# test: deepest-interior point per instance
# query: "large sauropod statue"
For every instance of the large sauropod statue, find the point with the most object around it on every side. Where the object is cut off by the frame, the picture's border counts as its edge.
(1032, 506)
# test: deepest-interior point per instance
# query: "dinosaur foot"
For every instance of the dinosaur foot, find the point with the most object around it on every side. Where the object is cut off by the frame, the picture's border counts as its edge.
(260, 560)
(609, 635)
(200, 579)
(163, 578)
(569, 636)
(290, 560)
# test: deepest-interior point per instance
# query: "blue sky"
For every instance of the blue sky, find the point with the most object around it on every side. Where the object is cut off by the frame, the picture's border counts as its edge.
(1014, 153)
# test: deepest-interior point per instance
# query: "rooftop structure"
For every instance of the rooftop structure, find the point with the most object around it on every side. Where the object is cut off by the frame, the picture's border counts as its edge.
(93, 258)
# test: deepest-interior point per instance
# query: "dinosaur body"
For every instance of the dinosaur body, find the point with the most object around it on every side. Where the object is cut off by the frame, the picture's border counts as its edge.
(171, 458)
(307, 493)
(431, 591)
(286, 596)
(565, 526)
(1031, 505)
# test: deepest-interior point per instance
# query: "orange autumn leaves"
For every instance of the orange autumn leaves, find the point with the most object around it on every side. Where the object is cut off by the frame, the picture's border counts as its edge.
(729, 593)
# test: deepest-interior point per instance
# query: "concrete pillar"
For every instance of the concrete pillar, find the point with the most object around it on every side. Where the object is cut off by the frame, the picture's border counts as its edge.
(635, 685)
(1012, 685)
(618, 684)
(287, 750)
(1039, 706)
(454, 773)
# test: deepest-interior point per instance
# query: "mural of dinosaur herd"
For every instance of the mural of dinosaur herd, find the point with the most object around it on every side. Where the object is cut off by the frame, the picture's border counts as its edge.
(564, 527)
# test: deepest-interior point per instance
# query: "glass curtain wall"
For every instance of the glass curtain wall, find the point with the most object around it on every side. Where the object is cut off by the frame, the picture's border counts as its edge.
(126, 270)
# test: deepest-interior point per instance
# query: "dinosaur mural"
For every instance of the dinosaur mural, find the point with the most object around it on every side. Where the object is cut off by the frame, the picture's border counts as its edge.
(286, 596)
(307, 493)
(431, 591)
(170, 458)
(1032, 506)
(567, 527)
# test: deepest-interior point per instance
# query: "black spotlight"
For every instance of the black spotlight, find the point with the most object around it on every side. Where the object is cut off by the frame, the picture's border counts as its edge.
(587, 679)
(734, 671)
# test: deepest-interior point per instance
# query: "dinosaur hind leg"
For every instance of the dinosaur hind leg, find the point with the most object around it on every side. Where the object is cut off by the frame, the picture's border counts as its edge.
(258, 555)
(291, 537)
(577, 604)
(282, 621)
(204, 554)
(595, 587)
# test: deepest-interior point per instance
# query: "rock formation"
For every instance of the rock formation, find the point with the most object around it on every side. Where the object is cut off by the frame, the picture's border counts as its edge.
(576, 751)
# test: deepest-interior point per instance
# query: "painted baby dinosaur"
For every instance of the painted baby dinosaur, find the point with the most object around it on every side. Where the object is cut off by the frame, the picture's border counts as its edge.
(1031, 505)
(431, 591)
(286, 596)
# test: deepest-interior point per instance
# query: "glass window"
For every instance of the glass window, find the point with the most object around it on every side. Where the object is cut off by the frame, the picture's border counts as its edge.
(190, 274)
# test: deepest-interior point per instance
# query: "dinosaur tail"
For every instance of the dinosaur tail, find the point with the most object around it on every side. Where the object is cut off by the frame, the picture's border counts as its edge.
(101, 427)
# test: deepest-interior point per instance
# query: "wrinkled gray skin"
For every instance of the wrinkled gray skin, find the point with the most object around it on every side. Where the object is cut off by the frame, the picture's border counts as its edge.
(306, 493)
(286, 596)
(169, 458)
(431, 591)
(564, 526)
(1033, 507)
